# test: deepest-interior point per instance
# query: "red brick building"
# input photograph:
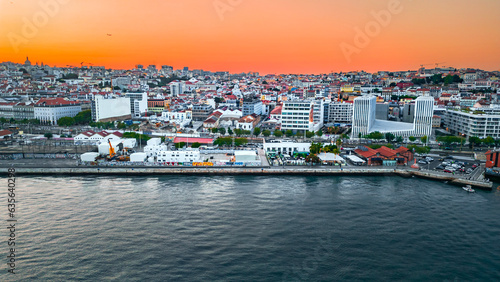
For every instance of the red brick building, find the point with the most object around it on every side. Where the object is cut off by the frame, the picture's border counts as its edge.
(385, 156)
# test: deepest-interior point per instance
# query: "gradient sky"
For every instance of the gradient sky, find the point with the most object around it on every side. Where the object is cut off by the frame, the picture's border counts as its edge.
(267, 36)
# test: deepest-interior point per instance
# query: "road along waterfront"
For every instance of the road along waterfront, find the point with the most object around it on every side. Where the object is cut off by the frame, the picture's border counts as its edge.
(128, 170)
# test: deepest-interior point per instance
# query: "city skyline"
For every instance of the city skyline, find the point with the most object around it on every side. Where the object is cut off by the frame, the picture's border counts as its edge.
(242, 36)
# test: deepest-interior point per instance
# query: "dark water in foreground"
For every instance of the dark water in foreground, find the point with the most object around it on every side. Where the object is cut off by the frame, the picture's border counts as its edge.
(240, 228)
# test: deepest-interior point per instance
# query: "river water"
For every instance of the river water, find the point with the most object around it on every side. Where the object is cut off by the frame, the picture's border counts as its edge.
(252, 228)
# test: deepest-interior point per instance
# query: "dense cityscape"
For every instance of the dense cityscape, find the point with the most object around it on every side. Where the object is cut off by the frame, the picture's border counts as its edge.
(440, 108)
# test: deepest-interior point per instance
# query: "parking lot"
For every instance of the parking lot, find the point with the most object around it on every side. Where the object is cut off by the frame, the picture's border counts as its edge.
(449, 164)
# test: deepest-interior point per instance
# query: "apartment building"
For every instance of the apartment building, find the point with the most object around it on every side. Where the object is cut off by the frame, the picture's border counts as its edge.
(469, 124)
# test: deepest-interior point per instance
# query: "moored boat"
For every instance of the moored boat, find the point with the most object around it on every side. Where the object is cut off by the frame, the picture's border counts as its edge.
(469, 189)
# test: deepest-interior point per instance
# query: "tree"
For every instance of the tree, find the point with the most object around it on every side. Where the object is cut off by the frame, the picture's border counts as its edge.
(315, 148)
(389, 137)
(121, 125)
(83, 117)
(289, 133)
(336, 151)
(313, 159)
(180, 145)
(3, 120)
(240, 141)
(66, 121)
(266, 133)
(399, 139)
(229, 131)
(222, 130)
(423, 139)
(412, 138)
(214, 130)
(278, 133)
(329, 148)
(310, 134)
(238, 131)
(256, 131)
(474, 141)
(375, 135)
(488, 140)
(48, 135)
(70, 76)
(393, 84)
(195, 145)
(338, 143)
(319, 133)
(437, 79)
(224, 141)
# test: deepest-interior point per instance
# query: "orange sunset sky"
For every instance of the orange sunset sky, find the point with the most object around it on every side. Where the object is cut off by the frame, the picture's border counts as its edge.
(267, 36)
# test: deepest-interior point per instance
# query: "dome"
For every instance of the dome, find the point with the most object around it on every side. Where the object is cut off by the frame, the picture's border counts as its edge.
(27, 62)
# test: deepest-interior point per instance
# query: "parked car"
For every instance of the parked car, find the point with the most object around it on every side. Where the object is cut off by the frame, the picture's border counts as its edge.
(474, 165)
(469, 171)
(450, 168)
(447, 170)
(440, 167)
(422, 162)
(429, 159)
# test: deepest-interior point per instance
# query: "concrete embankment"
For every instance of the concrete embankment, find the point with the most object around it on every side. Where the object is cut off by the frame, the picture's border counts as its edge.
(248, 171)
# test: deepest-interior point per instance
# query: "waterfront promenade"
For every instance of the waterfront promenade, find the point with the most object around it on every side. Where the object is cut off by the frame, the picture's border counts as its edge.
(69, 167)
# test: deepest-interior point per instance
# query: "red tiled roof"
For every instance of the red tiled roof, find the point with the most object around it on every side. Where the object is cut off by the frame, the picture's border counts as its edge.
(88, 133)
(277, 110)
(53, 102)
(5, 132)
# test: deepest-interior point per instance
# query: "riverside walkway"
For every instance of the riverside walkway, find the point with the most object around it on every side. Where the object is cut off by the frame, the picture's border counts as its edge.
(33, 169)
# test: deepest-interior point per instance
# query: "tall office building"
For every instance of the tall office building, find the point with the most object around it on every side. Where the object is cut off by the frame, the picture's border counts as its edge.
(365, 122)
(110, 109)
(302, 115)
(363, 115)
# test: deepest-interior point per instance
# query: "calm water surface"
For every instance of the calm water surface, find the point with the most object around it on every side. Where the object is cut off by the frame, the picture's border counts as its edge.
(265, 228)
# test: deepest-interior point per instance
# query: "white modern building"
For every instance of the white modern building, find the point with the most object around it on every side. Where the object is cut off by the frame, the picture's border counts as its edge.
(49, 110)
(364, 122)
(155, 150)
(110, 109)
(179, 156)
(470, 124)
(302, 115)
(138, 103)
(286, 147)
(340, 112)
(252, 106)
(181, 118)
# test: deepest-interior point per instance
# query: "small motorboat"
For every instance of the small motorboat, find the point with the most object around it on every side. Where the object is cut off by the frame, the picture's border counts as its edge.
(469, 189)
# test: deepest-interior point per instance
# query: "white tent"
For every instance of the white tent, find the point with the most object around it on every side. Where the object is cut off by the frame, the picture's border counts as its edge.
(330, 157)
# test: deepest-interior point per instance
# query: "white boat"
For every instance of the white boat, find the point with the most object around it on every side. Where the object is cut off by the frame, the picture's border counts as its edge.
(469, 189)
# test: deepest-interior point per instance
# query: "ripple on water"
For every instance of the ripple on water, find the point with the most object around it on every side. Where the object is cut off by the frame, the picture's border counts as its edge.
(239, 228)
